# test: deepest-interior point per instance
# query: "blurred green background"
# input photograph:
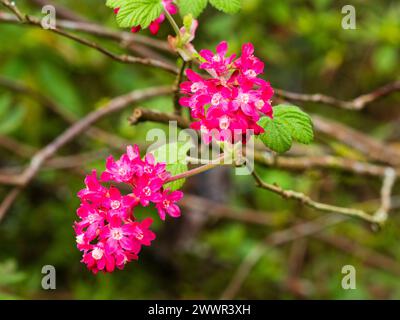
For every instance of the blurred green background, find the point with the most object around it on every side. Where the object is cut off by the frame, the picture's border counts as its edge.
(305, 50)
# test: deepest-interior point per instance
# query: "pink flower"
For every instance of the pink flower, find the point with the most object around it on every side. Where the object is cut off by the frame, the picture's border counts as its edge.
(147, 190)
(169, 6)
(119, 237)
(166, 204)
(92, 220)
(152, 169)
(133, 152)
(107, 232)
(98, 259)
(231, 102)
(118, 205)
(141, 232)
(121, 170)
(217, 64)
(94, 191)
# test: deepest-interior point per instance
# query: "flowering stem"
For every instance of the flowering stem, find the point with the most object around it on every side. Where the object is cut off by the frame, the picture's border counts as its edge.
(213, 164)
(172, 22)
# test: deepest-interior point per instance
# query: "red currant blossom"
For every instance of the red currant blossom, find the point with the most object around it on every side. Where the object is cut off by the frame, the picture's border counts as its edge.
(167, 204)
(108, 232)
(232, 100)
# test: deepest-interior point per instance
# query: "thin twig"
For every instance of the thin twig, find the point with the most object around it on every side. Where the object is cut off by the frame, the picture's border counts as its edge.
(144, 114)
(98, 30)
(379, 218)
(372, 148)
(124, 58)
(14, 9)
(209, 166)
(357, 103)
(320, 162)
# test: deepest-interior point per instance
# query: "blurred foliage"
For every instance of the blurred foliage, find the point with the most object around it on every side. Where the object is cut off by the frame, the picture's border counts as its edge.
(305, 50)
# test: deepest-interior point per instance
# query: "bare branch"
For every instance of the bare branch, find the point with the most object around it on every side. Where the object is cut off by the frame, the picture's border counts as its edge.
(378, 218)
(25, 19)
(355, 104)
(321, 162)
(14, 9)
(79, 127)
(371, 147)
(143, 114)
(94, 29)
(95, 133)
(62, 11)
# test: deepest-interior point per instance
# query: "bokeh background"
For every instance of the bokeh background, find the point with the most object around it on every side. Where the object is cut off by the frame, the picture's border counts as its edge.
(305, 50)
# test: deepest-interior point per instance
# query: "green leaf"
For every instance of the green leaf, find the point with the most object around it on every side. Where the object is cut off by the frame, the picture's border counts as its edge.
(194, 7)
(171, 153)
(227, 6)
(174, 155)
(289, 123)
(277, 137)
(115, 3)
(138, 12)
(175, 169)
(297, 121)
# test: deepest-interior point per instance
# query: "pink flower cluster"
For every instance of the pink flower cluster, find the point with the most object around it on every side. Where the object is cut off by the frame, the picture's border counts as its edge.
(107, 232)
(155, 25)
(233, 99)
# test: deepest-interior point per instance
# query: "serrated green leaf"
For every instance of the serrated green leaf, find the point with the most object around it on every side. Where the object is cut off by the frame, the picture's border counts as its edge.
(175, 169)
(138, 12)
(277, 137)
(227, 6)
(172, 153)
(298, 122)
(194, 7)
(289, 123)
(115, 3)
